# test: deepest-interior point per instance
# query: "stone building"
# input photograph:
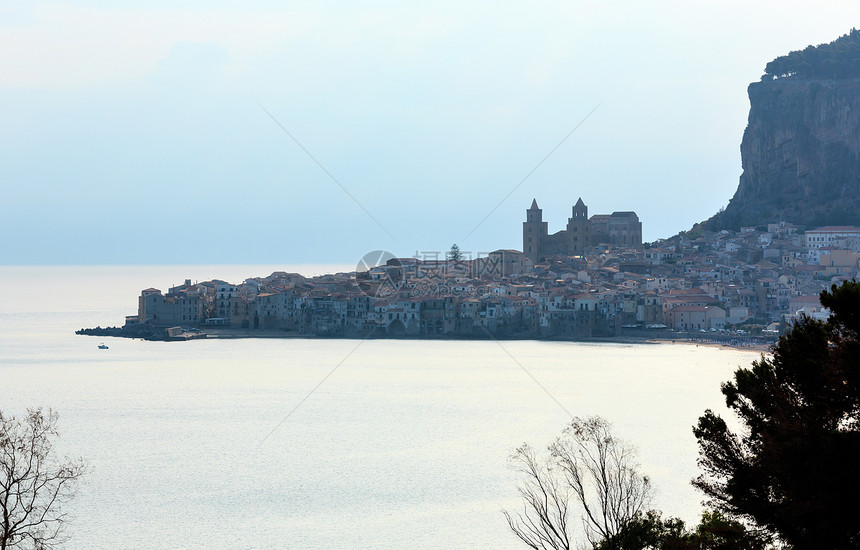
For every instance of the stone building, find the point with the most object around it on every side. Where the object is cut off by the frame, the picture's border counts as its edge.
(618, 228)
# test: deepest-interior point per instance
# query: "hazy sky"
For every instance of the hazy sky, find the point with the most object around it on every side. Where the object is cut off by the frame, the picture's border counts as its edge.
(140, 135)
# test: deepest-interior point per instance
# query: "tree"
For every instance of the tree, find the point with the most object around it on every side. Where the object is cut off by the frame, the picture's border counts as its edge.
(543, 523)
(34, 485)
(648, 530)
(589, 469)
(792, 468)
(455, 255)
(720, 533)
(838, 59)
(715, 532)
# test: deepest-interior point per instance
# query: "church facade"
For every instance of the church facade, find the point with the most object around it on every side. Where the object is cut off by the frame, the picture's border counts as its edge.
(582, 232)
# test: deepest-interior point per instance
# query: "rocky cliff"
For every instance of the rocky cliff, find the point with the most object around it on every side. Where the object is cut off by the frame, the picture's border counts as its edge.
(801, 148)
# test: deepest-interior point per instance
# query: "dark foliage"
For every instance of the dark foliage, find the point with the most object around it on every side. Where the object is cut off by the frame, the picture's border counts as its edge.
(647, 530)
(792, 468)
(715, 532)
(838, 59)
(455, 255)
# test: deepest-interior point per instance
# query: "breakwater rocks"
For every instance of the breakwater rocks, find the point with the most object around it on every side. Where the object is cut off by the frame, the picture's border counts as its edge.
(145, 332)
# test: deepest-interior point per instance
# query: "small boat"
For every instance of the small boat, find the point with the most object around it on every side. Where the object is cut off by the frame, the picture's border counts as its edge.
(102, 346)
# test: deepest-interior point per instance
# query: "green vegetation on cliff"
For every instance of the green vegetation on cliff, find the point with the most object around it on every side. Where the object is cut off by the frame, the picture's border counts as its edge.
(838, 59)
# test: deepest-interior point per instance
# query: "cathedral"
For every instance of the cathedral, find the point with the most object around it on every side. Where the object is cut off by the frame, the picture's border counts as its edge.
(618, 228)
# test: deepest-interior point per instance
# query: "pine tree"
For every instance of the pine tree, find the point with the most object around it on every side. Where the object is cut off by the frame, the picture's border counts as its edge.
(792, 468)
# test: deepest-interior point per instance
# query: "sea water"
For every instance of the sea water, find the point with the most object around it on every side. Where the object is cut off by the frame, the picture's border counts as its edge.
(303, 443)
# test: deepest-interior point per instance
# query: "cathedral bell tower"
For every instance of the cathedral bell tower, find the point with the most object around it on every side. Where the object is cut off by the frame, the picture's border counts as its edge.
(578, 229)
(534, 231)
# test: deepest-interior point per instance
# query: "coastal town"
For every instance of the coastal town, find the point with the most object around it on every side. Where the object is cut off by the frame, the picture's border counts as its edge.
(594, 279)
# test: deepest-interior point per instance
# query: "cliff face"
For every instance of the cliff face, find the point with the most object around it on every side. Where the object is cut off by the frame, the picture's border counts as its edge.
(800, 155)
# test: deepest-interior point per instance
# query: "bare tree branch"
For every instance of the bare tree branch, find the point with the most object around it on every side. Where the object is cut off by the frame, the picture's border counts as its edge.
(543, 523)
(34, 484)
(587, 468)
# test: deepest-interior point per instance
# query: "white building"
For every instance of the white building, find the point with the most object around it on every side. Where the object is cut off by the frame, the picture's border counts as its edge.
(829, 235)
(224, 292)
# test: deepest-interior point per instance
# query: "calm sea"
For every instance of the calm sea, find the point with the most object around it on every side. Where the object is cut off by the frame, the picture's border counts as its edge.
(321, 443)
